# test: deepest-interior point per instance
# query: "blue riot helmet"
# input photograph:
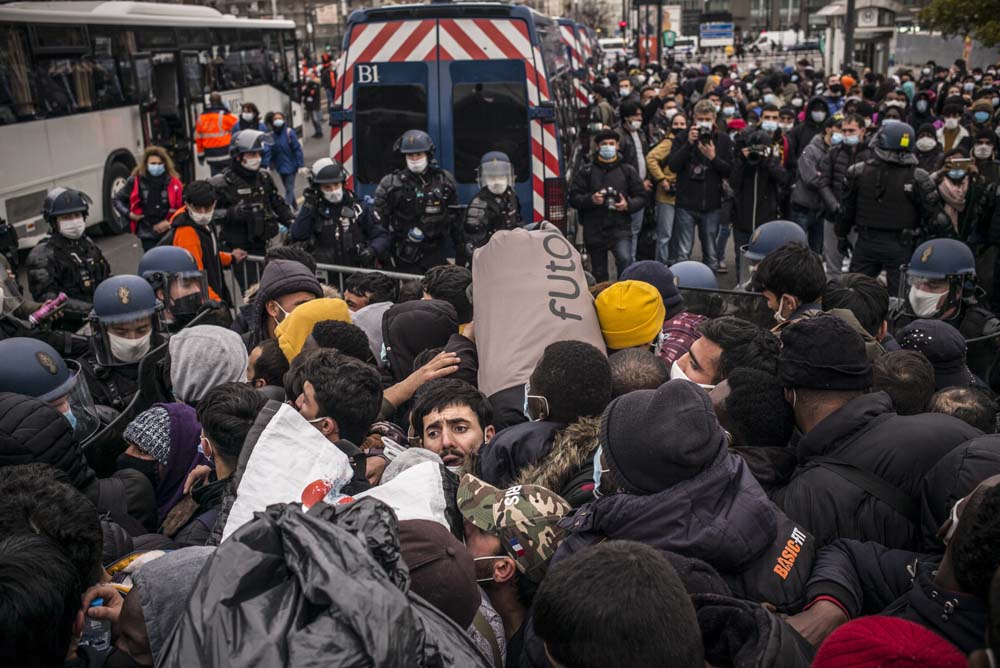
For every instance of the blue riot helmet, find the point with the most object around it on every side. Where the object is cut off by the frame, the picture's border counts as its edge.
(414, 141)
(178, 282)
(495, 172)
(766, 238)
(896, 137)
(693, 274)
(941, 273)
(125, 321)
(33, 368)
(71, 205)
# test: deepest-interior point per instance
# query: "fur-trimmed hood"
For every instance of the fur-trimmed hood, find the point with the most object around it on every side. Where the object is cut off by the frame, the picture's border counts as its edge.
(568, 467)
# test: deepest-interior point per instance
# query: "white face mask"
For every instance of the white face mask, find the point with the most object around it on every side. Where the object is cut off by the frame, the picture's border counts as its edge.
(951, 123)
(248, 116)
(201, 218)
(670, 113)
(129, 350)
(635, 124)
(72, 228)
(497, 186)
(676, 372)
(333, 195)
(925, 144)
(778, 316)
(253, 164)
(416, 166)
(982, 151)
(925, 304)
(786, 127)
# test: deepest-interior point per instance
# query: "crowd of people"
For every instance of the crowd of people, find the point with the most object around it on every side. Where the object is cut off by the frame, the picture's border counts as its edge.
(529, 456)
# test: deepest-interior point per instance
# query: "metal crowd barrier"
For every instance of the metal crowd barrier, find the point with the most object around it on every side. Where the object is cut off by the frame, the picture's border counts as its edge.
(330, 274)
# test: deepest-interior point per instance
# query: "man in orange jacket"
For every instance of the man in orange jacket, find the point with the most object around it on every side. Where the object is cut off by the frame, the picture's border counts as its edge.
(191, 229)
(213, 133)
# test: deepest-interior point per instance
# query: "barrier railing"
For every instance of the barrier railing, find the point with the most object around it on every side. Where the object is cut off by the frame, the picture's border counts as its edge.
(330, 274)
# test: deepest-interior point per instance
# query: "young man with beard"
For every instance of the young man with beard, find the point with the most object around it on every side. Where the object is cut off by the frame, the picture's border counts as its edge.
(512, 535)
(453, 420)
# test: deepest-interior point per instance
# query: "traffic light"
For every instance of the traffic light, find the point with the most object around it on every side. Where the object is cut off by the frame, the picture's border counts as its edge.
(622, 24)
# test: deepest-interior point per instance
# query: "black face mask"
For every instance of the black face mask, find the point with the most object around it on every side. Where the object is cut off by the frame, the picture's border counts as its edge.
(148, 467)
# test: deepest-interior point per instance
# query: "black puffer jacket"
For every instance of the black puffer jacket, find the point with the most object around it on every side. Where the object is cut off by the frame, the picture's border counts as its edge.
(839, 159)
(412, 327)
(869, 579)
(803, 132)
(720, 515)
(32, 432)
(868, 434)
(512, 450)
(741, 633)
(952, 478)
(699, 180)
(602, 225)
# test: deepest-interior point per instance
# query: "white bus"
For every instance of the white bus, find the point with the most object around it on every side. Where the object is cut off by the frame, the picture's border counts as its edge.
(86, 86)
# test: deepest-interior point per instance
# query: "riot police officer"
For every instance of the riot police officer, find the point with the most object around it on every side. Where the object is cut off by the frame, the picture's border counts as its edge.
(940, 283)
(892, 202)
(178, 284)
(766, 238)
(126, 324)
(249, 206)
(34, 368)
(495, 206)
(333, 224)
(414, 202)
(67, 261)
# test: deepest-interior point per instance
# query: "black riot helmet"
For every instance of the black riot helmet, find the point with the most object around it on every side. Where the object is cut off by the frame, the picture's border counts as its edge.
(248, 141)
(414, 141)
(326, 170)
(63, 201)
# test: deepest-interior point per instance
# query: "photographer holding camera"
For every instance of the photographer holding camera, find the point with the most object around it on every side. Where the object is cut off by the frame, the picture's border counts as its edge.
(758, 180)
(606, 192)
(701, 163)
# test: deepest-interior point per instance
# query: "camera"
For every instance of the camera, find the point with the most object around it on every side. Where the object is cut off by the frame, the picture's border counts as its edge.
(610, 197)
(705, 135)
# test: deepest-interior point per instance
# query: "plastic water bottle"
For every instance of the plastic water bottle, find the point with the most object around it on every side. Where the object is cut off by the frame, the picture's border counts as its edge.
(96, 632)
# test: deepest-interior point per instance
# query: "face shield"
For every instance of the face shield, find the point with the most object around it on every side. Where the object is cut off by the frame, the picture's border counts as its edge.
(121, 342)
(10, 292)
(748, 265)
(496, 176)
(184, 297)
(77, 406)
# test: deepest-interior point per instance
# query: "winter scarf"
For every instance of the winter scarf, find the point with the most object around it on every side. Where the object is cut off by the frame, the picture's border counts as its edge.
(953, 195)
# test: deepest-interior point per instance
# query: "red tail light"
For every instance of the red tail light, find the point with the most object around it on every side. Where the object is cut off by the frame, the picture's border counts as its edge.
(555, 202)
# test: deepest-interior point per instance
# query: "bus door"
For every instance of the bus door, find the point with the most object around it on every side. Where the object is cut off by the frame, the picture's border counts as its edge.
(166, 119)
(381, 95)
(485, 106)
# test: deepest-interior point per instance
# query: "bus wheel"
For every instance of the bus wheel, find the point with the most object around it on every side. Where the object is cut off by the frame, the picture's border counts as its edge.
(115, 175)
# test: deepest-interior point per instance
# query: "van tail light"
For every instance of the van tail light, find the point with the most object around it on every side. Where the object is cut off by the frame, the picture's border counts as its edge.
(555, 202)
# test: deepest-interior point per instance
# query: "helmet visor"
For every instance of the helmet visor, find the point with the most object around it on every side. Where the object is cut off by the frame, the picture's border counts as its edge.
(496, 173)
(747, 265)
(80, 404)
(186, 295)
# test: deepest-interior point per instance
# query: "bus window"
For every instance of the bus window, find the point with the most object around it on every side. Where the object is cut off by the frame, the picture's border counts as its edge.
(65, 85)
(16, 99)
(490, 116)
(257, 68)
(383, 113)
(108, 80)
(156, 39)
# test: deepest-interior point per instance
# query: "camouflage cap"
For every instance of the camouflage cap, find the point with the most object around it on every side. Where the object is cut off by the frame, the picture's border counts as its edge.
(523, 517)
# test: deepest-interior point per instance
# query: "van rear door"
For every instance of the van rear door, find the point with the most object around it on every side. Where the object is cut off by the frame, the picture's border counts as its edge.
(387, 84)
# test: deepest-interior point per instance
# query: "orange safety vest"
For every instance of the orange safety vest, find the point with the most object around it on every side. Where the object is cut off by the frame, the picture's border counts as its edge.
(213, 133)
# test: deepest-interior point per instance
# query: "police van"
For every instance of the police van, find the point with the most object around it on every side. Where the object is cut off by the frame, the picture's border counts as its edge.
(477, 77)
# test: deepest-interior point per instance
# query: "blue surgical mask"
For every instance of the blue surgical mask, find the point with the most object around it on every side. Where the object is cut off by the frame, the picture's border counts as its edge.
(729, 111)
(70, 418)
(156, 169)
(607, 151)
(527, 391)
(836, 138)
(956, 174)
(769, 126)
(598, 471)
(852, 140)
(279, 123)
(981, 116)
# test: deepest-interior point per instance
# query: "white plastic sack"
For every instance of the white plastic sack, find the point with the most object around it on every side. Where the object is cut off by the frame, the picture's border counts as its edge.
(415, 494)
